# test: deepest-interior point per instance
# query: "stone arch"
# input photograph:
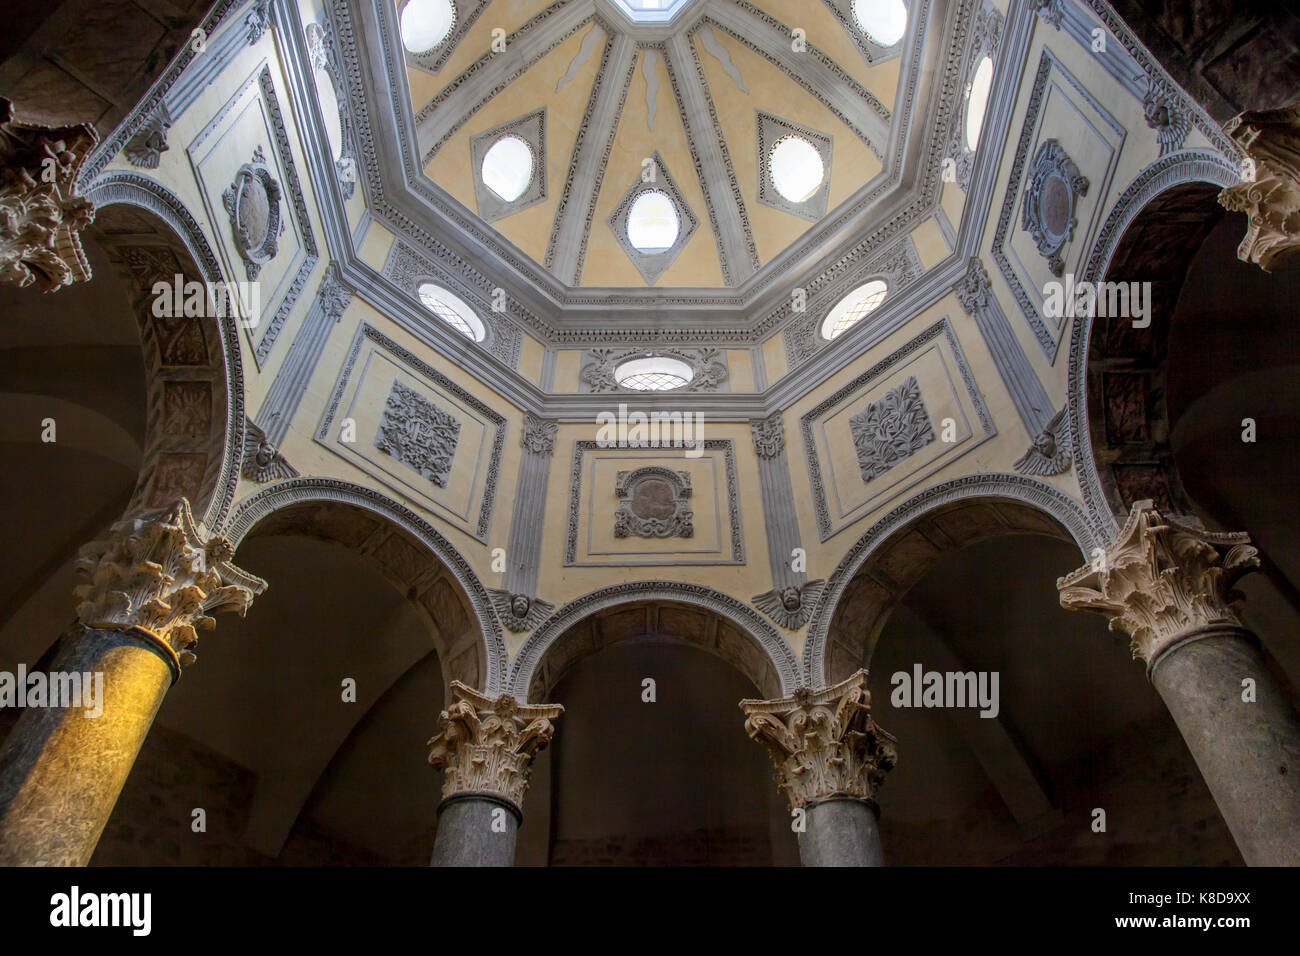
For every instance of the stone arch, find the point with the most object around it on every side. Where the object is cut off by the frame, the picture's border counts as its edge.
(950, 515)
(410, 552)
(1148, 232)
(194, 370)
(757, 649)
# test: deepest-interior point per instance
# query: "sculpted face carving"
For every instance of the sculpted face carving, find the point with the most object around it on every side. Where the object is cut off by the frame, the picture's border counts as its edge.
(790, 599)
(519, 605)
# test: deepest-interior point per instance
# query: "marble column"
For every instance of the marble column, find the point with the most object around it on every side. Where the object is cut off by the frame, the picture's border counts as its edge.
(1169, 587)
(151, 584)
(830, 759)
(485, 747)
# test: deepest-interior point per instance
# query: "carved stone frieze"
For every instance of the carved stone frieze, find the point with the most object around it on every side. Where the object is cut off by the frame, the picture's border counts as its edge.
(769, 435)
(262, 460)
(252, 202)
(163, 573)
(653, 503)
(1050, 452)
(1047, 212)
(487, 744)
(1269, 194)
(146, 147)
(519, 612)
(823, 743)
(1164, 112)
(418, 433)
(538, 435)
(41, 215)
(792, 606)
(891, 429)
(334, 295)
(1161, 578)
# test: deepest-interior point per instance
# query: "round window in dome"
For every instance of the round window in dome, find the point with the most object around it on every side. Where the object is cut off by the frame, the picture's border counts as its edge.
(797, 168)
(977, 100)
(426, 23)
(652, 224)
(653, 373)
(452, 310)
(854, 307)
(508, 167)
(883, 21)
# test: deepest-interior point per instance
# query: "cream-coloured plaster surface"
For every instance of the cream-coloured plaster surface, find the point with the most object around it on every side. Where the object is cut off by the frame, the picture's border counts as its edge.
(452, 166)
(774, 358)
(531, 355)
(740, 370)
(376, 245)
(568, 362)
(770, 90)
(931, 247)
(606, 263)
(953, 201)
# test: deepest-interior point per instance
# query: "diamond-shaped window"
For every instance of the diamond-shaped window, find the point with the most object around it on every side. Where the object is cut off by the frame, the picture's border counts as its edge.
(652, 221)
(794, 164)
(510, 166)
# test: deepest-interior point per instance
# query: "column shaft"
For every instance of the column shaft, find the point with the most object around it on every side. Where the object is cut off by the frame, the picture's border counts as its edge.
(840, 833)
(475, 830)
(61, 771)
(1247, 751)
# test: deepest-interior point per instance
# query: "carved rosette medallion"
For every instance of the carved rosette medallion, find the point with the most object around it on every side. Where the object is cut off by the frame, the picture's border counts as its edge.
(1161, 578)
(653, 504)
(823, 743)
(487, 744)
(1055, 185)
(418, 433)
(162, 574)
(41, 216)
(891, 430)
(252, 202)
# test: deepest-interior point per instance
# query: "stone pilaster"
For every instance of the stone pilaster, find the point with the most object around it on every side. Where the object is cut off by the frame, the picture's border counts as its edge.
(1269, 193)
(41, 216)
(1169, 587)
(484, 746)
(150, 586)
(831, 759)
(517, 602)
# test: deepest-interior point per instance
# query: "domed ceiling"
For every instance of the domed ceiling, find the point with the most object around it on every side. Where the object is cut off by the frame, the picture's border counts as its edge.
(690, 110)
(652, 163)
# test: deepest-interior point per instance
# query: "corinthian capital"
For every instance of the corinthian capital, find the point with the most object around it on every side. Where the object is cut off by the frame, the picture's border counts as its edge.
(1269, 193)
(1160, 579)
(40, 212)
(160, 572)
(824, 743)
(486, 744)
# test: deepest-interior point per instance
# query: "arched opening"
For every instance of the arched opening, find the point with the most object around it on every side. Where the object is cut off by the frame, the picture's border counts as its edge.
(651, 764)
(1016, 719)
(309, 719)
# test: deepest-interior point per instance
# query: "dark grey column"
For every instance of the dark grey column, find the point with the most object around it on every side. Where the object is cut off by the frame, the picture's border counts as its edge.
(1247, 751)
(485, 746)
(286, 391)
(476, 829)
(831, 758)
(1169, 585)
(841, 832)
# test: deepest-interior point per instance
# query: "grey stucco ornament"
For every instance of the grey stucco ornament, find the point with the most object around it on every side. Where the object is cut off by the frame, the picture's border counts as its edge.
(418, 433)
(790, 607)
(253, 203)
(262, 460)
(1055, 185)
(653, 504)
(519, 612)
(1050, 452)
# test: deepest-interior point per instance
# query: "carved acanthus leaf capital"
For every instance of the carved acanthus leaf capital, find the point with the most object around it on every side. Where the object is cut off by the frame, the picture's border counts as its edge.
(41, 215)
(162, 572)
(823, 743)
(487, 744)
(973, 291)
(538, 435)
(1269, 193)
(1161, 578)
(769, 435)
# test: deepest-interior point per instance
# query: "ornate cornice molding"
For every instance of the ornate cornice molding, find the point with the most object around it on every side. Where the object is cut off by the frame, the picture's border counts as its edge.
(486, 744)
(823, 743)
(1161, 578)
(162, 574)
